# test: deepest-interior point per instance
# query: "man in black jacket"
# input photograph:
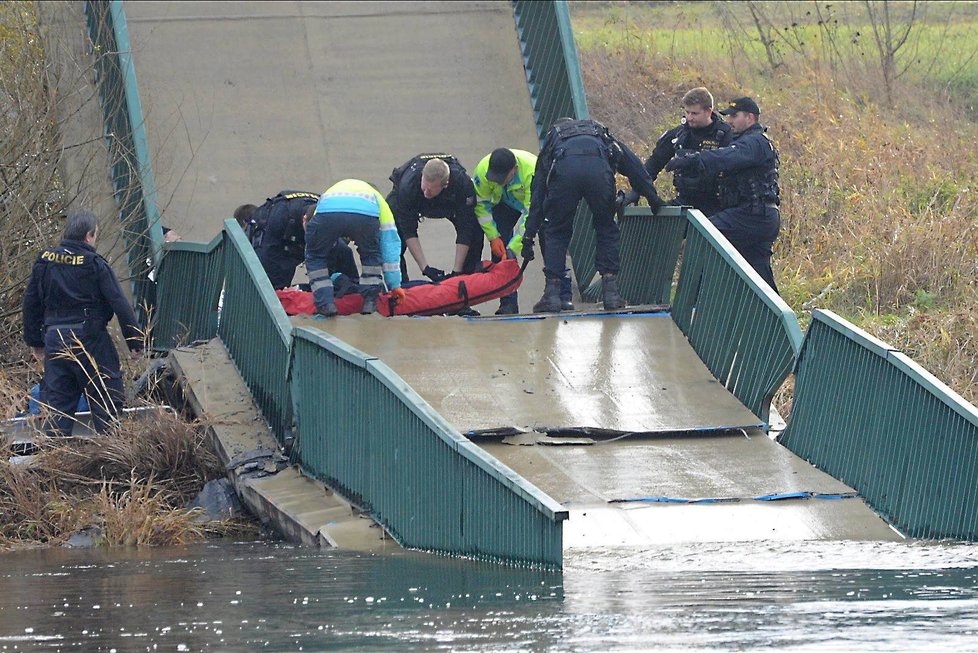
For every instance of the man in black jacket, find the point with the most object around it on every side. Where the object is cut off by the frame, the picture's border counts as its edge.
(701, 129)
(276, 232)
(578, 160)
(750, 196)
(436, 186)
(71, 296)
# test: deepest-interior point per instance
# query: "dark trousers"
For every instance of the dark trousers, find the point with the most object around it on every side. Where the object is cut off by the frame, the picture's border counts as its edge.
(340, 259)
(280, 264)
(322, 232)
(752, 230)
(575, 178)
(76, 363)
(506, 218)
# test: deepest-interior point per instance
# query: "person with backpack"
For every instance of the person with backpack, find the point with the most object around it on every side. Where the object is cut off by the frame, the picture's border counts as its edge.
(578, 160)
(435, 186)
(276, 232)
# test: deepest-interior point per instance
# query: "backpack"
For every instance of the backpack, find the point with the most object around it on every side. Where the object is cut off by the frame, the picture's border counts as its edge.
(293, 234)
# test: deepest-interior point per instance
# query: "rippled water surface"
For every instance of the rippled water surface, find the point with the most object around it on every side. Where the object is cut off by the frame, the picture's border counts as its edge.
(275, 597)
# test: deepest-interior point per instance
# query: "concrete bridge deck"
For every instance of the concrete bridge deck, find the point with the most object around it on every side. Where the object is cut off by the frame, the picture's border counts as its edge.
(616, 418)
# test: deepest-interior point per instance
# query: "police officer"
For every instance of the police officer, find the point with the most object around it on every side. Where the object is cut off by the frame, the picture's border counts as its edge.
(503, 182)
(700, 129)
(435, 186)
(275, 229)
(70, 298)
(579, 160)
(750, 218)
(356, 210)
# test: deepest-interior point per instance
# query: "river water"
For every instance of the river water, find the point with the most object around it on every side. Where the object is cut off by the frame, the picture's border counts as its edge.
(809, 596)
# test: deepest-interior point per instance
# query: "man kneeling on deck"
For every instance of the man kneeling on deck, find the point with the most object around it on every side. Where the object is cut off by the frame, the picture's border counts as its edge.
(354, 209)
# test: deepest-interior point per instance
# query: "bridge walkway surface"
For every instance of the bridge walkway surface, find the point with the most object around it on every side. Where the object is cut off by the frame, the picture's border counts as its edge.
(615, 417)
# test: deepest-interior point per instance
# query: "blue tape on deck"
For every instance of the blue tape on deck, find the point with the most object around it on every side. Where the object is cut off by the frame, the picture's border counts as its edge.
(782, 496)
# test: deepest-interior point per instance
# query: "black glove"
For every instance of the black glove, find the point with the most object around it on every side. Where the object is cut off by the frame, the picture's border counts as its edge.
(434, 274)
(620, 204)
(528, 254)
(682, 163)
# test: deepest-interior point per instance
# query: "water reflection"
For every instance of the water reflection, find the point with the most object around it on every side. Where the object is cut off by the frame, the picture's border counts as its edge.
(780, 596)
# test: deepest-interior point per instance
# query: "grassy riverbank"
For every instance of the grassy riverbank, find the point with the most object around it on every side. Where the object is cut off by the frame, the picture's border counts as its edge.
(878, 176)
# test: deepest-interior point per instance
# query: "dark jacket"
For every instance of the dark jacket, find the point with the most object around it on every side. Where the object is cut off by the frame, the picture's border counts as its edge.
(750, 169)
(697, 191)
(578, 134)
(72, 284)
(455, 202)
(278, 236)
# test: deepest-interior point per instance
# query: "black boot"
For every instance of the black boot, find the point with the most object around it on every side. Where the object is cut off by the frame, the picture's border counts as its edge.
(609, 289)
(369, 300)
(550, 302)
(508, 306)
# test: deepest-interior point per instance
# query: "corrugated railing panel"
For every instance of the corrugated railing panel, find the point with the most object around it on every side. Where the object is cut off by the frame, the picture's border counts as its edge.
(744, 332)
(650, 246)
(553, 74)
(125, 135)
(255, 330)
(383, 446)
(868, 415)
(189, 281)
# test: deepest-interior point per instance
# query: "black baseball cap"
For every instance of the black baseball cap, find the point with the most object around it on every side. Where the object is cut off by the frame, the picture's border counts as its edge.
(741, 104)
(501, 161)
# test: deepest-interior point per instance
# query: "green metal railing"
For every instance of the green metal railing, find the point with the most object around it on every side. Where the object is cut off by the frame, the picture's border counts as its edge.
(650, 246)
(744, 332)
(869, 416)
(189, 281)
(125, 136)
(553, 75)
(364, 431)
(256, 331)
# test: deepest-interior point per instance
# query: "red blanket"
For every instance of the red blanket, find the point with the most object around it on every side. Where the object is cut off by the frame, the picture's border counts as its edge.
(299, 302)
(454, 293)
(448, 296)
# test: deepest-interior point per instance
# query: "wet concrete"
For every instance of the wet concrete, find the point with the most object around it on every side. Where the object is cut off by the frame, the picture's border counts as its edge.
(633, 373)
(243, 99)
(615, 374)
(592, 481)
(300, 508)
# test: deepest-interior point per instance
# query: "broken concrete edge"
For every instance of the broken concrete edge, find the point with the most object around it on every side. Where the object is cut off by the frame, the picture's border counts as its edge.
(302, 509)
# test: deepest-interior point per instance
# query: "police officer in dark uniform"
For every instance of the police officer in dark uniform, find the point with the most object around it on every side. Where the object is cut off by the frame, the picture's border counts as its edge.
(276, 231)
(701, 129)
(578, 160)
(70, 298)
(436, 186)
(749, 194)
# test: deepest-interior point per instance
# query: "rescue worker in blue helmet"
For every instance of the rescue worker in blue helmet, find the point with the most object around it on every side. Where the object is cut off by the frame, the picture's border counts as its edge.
(71, 296)
(356, 210)
(578, 160)
(750, 217)
(701, 129)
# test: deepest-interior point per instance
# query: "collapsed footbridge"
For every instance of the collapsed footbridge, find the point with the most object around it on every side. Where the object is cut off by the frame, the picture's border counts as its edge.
(517, 438)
